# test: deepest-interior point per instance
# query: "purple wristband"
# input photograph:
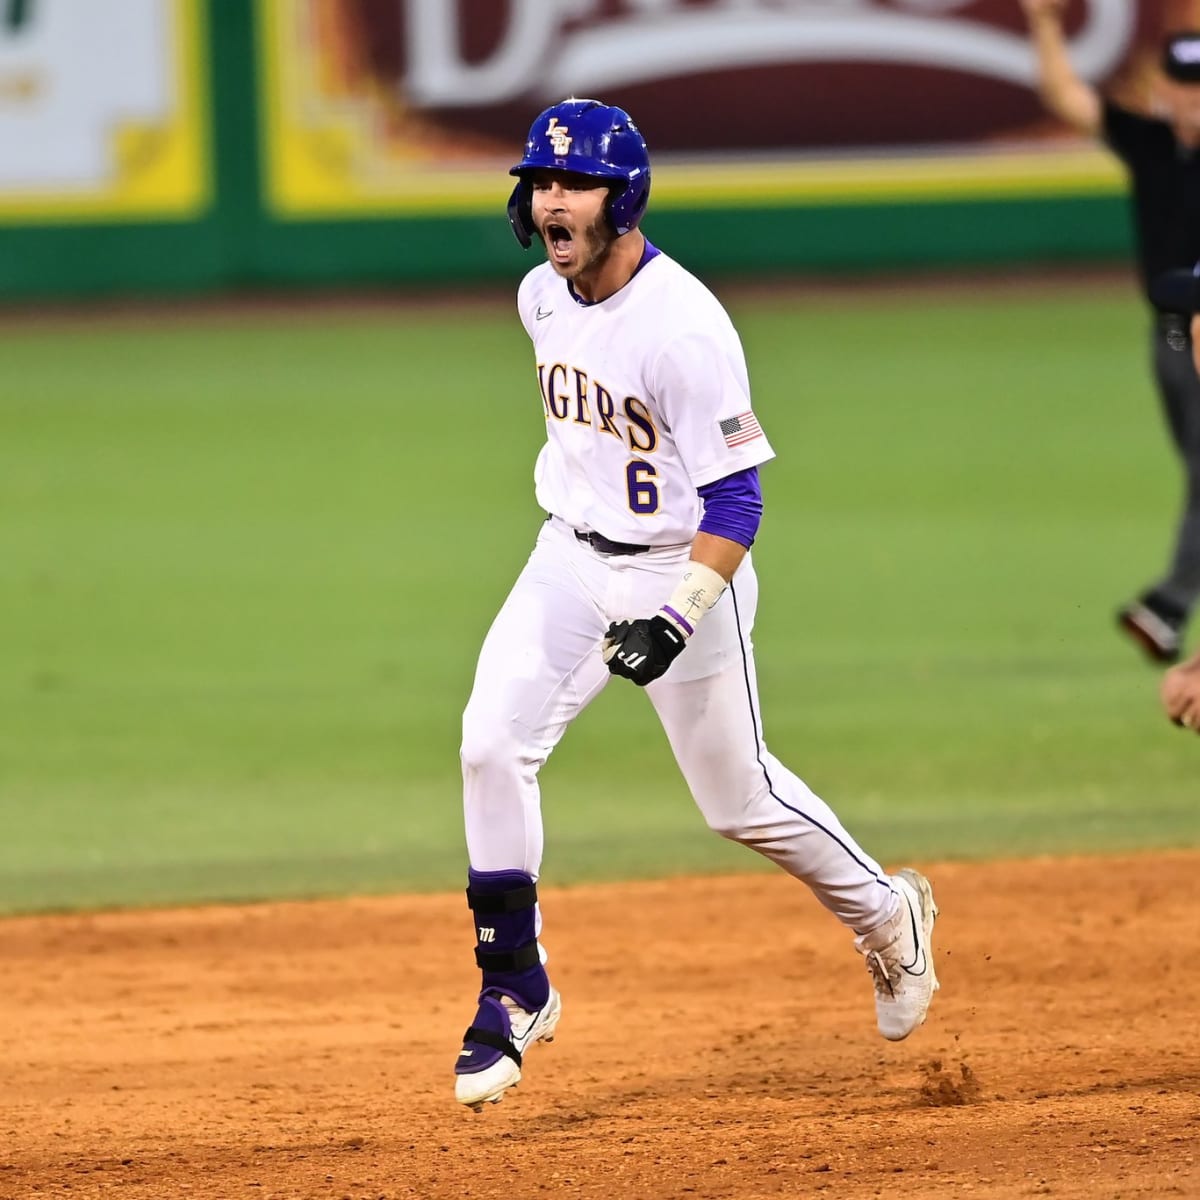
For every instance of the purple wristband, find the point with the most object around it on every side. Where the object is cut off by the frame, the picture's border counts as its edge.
(670, 612)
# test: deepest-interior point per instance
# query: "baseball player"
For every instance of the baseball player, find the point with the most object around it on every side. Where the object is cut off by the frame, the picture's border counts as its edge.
(641, 570)
(1162, 153)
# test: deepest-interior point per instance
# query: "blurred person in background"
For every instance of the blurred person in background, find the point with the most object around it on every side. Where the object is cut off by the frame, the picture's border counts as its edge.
(1179, 291)
(1160, 147)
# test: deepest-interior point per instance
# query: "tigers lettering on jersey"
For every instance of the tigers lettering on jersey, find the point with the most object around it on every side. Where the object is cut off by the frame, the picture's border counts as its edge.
(633, 401)
(568, 395)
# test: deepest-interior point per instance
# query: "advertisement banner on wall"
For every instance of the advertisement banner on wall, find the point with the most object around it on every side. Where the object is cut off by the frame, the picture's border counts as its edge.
(103, 114)
(403, 106)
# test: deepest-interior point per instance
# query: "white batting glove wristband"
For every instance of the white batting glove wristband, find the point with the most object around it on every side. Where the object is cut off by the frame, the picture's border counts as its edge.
(698, 590)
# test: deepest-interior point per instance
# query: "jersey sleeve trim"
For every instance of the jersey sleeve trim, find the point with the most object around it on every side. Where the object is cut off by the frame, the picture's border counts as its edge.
(756, 453)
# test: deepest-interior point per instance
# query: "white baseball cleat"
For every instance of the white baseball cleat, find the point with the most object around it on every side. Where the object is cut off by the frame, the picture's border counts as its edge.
(497, 1042)
(899, 955)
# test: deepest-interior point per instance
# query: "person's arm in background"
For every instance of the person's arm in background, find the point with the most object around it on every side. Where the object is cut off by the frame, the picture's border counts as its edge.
(1063, 93)
(1196, 341)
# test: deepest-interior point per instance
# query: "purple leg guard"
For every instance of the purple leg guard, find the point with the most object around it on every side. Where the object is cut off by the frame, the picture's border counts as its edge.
(502, 903)
(506, 948)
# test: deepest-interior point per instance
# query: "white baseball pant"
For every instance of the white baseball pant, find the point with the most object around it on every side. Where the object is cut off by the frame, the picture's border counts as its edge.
(539, 668)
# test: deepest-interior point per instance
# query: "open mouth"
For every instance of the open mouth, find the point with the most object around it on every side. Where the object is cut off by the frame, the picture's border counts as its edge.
(559, 239)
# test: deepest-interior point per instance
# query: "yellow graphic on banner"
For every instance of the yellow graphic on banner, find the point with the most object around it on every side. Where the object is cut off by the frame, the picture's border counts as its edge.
(340, 137)
(100, 162)
(339, 140)
(964, 174)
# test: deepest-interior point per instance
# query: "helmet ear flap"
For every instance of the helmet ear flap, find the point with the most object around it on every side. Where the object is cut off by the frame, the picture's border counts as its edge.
(626, 205)
(520, 213)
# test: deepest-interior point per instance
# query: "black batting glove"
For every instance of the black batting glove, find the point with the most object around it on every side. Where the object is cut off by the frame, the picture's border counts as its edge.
(642, 650)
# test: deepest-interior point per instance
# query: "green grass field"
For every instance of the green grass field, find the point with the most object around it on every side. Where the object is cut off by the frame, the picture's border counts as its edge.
(246, 563)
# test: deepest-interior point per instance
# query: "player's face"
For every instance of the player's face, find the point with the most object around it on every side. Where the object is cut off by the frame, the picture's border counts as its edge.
(568, 211)
(1182, 102)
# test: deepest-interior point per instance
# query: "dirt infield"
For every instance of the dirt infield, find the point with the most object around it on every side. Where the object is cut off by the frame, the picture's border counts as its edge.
(717, 1041)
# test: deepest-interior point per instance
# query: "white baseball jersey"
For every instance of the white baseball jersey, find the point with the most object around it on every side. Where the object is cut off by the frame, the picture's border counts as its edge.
(647, 398)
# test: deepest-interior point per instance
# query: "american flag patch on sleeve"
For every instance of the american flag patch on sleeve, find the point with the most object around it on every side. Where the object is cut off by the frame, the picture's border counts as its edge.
(742, 428)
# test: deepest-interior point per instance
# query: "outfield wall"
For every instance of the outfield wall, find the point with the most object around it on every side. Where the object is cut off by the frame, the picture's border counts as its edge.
(258, 145)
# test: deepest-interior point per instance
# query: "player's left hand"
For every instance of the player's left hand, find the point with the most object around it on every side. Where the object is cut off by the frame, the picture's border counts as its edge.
(1181, 694)
(642, 650)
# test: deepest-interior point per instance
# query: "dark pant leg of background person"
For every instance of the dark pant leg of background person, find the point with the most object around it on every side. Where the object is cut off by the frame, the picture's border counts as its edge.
(1156, 619)
(1175, 595)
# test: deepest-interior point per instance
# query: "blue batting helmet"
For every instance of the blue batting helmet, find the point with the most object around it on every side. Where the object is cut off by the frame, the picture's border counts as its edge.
(592, 139)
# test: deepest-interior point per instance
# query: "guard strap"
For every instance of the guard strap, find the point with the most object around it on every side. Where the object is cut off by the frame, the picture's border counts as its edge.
(502, 902)
(508, 960)
(485, 1037)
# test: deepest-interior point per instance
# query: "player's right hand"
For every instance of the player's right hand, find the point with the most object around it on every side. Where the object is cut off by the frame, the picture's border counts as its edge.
(642, 650)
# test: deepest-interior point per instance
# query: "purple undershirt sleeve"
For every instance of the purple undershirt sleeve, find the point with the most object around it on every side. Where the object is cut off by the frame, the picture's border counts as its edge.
(733, 506)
